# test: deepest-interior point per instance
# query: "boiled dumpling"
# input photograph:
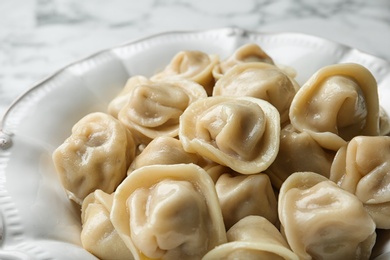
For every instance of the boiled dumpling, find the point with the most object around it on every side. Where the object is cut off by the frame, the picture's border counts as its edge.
(249, 52)
(98, 235)
(298, 151)
(121, 99)
(336, 104)
(95, 156)
(241, 133)
(168, 212)
(215, 170)
(322, 221)
(363, 168)
(259, 80)
(245, 195)
(164, 150)
(169, 150)
(193, 65)
(154, 109)
(252, 238)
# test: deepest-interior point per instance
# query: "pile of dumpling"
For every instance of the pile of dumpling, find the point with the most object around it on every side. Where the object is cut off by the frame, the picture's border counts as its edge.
(232, 159)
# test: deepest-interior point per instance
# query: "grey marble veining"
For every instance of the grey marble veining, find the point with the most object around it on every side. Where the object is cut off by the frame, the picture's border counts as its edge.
(38, 37)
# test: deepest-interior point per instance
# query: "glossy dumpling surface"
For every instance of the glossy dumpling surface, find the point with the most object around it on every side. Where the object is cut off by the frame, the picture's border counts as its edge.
(168, 212)
(363, 168)
(336, 104)
(193, 65)
(241, 133)
(154, 109)
(298, 151)
(259, 80)
(253, 237)
(98, 235)
(95, 156)
(245, 195)
(121, 99)
(249, 52)
(163, 150)
(322, 221)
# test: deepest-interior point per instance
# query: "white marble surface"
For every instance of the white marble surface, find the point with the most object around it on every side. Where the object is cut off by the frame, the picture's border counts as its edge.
(38, 37)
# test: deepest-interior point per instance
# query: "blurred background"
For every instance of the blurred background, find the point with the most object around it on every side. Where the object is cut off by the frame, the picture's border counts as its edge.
(38, 37)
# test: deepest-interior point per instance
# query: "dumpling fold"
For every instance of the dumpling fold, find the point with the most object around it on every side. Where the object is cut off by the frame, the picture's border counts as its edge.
(168, 212)
(322, 221)
(95, 156)
(336, 104)
(239, 132)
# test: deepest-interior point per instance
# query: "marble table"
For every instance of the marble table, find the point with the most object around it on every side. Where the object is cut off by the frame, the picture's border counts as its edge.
(38, 37)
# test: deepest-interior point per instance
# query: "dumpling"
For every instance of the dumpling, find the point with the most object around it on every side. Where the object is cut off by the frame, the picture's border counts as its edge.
(259, 80)
(192, 65)
(98, 235)
(168, 212)
(215, 170)
(169, 150)
(298, 151)
(322, 221)
(363, 168)
(245, 195)
(336, 104)
(241, 133)
(154, 109)
(249, 52)
(163, 150)
(121, 99)
(95, 156)
(252, 238)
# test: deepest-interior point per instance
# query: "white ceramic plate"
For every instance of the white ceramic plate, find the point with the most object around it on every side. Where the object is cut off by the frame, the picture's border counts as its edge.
(37, 221)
